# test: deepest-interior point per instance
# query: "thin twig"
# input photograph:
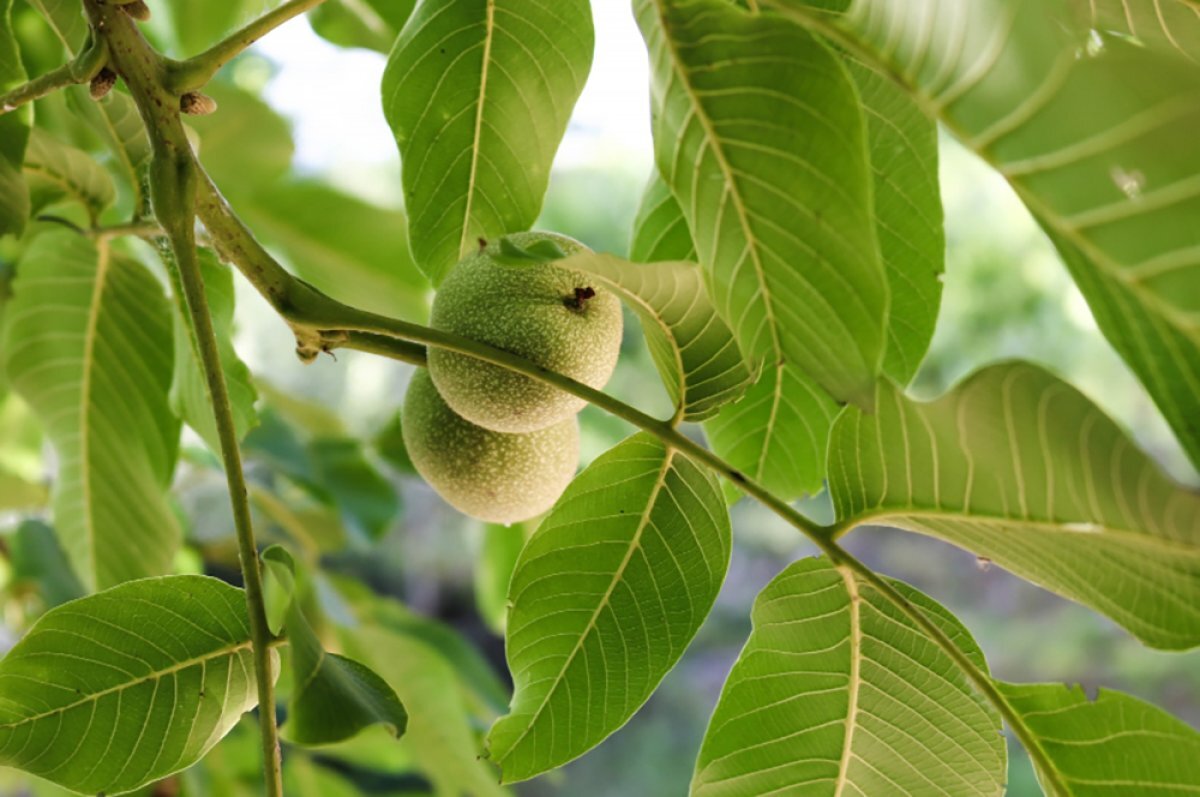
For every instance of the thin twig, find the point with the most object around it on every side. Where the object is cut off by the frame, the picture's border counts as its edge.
(80, 69)
(195, 72)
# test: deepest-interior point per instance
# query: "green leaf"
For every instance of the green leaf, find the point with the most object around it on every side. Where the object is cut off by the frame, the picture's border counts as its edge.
(197, 26)
(56, 171)
(352, 250)
(66, 19)
(1113, 744)
(189, 389)
(478, 94)
(494, 568)
(17, 493)
(1019, 467)
(777, 433)
(660, 232)
(14, 132)
(37, 559)
(908, 214)
(333, 697)
(372, 24)
(113, 691)
(838, 692)
(1095, 136)
(246, 145)
(605, 597)
(440, 736)
(87, 343)
(1164, 25)
(367, 500)
(696, 355)
(760, 135)
(116, 120)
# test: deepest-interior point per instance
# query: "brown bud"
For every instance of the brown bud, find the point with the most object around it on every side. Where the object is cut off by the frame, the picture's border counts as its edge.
(196, 104)
(102, 83)
(137, 9)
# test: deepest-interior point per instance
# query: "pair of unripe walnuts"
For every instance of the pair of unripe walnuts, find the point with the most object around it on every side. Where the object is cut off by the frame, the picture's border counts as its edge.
(496, 444)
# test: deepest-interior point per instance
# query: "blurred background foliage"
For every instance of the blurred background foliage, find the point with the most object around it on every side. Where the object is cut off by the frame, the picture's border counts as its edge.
(300, 148)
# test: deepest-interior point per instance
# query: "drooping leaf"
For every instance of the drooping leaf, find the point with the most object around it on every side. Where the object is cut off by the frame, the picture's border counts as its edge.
(908, 214)
(1094, 135)
(14, 132)
(87, 343)
(478, 94)
(333, 697)
(1112, 744)
(115, 119)
(1019, 467)
(660, 231)
(604, 599)
(352, 250)
(109, 692)
(56, 171)
(759, 133)
(373, 24)
(189, 389)
(696, 355)
(494, 567)
(777, 433)
(838, 692)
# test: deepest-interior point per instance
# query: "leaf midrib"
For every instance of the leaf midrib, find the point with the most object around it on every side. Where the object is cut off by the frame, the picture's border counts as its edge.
(85, 403)
(227, 650)
(854, 684)
(489, 34)
(634, 545)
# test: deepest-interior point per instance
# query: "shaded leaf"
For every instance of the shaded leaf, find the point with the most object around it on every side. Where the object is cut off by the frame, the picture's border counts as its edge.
(87, 343)
(696, 355)
(109, 692)
(660, 231)
(189, 389)
(352, 250)
(115, 119)
(372, 24)
(777, 433)
(604, 598)
(333, 697)
(494, 568)
(1113, 744)
(367, 500)
(760, 136)
(838, 692)
(57, 171)
(478, 94)
(246, 145)
(37, 559)
(1019, 467)
(14, 132)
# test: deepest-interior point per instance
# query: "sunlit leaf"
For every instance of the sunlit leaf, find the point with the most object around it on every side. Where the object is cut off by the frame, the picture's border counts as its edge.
(1019, 467)
(478, 94)
(189, 388)
(838, 692)
(605, 597)
(56, 171)
(1095, 134)
(113, 691)
(660, 231)
(1112, 744)
(777, 433)
(760, 136)
(696, 355)
(87, 343)
(14, 132)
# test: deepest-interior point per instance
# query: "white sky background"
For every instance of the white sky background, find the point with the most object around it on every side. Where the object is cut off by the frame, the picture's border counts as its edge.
(332, 97)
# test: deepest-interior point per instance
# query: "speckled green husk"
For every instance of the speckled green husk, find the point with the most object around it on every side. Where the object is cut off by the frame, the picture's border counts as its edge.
(520, 308)
(493, 476)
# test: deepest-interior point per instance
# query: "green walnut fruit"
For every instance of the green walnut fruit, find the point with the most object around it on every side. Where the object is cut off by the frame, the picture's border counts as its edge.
(494, 476)
(507, 296)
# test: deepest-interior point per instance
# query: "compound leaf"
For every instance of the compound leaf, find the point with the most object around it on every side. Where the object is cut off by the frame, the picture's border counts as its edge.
(604, 599)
